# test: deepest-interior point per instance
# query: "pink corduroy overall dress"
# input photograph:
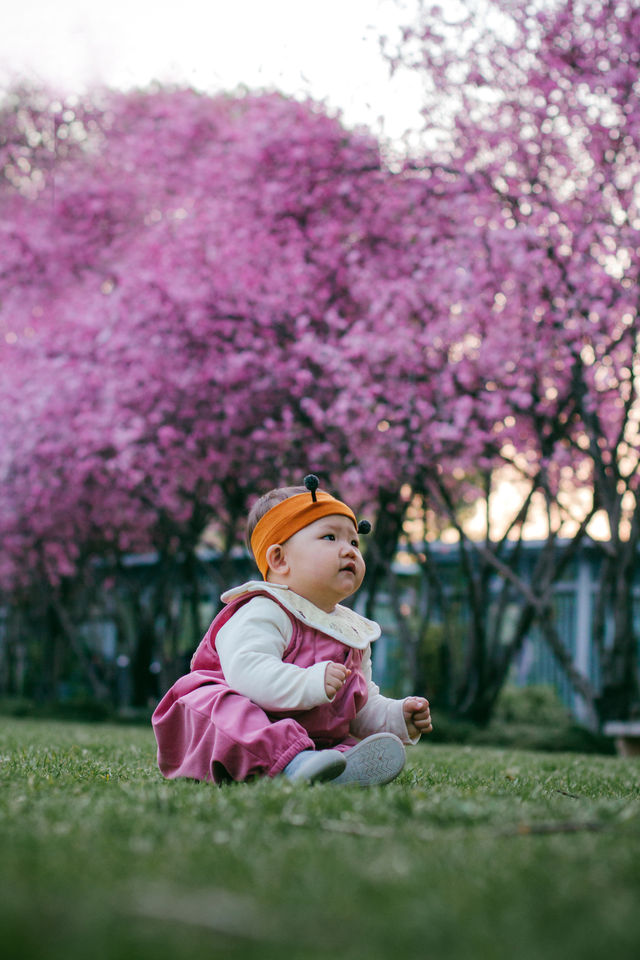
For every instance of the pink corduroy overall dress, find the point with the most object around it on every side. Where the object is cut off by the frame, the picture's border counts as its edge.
(207, 731)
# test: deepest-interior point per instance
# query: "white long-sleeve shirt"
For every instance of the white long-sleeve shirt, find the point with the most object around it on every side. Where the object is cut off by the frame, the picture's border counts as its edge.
(252, 643)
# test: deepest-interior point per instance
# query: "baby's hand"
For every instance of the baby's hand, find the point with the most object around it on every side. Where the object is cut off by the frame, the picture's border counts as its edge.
(334, 678)
(417, 716)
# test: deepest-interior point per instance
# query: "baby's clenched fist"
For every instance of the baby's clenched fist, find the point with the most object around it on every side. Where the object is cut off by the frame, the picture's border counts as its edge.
(334, 678)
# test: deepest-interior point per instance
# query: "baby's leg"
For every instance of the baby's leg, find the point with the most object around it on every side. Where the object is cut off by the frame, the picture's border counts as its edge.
(213, 733)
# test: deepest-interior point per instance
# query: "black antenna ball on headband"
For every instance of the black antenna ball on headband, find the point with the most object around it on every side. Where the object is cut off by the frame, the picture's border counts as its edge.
(312, 483)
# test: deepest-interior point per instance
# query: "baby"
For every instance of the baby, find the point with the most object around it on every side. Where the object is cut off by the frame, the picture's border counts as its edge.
(281, 682)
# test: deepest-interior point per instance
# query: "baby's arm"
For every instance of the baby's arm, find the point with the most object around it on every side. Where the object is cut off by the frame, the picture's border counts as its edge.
(251, 646)
(379, 713)
(385, 714)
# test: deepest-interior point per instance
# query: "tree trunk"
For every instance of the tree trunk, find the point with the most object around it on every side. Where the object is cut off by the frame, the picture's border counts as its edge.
(620, 696)
(98, 687)
(382, 546)
(142, 657)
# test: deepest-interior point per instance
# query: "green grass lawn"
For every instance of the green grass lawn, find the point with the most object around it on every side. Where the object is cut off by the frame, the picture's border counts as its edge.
(472, 853)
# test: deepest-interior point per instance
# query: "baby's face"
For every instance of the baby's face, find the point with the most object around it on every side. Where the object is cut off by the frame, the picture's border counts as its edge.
(325, 563)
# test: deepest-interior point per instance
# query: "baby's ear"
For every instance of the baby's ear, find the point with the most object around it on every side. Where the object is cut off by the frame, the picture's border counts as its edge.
(275, 557)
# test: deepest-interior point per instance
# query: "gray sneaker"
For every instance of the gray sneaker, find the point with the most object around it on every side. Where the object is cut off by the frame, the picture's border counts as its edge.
(375, 760)
(314, 766)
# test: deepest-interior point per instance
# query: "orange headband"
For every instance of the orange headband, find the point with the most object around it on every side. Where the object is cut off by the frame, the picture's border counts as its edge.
(290, 515)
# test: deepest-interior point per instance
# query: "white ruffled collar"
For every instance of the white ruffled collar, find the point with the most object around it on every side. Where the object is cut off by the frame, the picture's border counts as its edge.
(342, 623)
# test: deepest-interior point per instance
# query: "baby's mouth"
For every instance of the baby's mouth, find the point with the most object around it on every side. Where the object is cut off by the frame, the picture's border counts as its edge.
(349, 568)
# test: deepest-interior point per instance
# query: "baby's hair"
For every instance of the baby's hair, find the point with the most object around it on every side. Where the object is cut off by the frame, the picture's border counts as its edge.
(265, 503)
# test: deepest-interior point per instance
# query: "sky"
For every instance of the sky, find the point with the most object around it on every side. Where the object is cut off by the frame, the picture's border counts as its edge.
(328, 50)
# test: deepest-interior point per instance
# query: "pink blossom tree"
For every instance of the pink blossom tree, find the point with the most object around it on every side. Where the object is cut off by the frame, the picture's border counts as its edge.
(534, 115)
(184, 335)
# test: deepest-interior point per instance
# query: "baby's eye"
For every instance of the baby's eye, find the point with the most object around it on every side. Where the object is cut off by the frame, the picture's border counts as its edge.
(328, 536)
(356, 544)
